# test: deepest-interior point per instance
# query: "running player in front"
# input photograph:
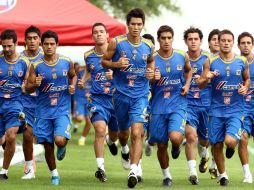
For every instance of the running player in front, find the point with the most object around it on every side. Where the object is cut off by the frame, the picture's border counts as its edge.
(101, 105)
(169, 103)
(131, 57)
(32, 53)
(229, 75)
(54, 77)
(13, 68)
(245, 44)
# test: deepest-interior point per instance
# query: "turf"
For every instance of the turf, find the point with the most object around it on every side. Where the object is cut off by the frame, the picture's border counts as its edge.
(78, 168)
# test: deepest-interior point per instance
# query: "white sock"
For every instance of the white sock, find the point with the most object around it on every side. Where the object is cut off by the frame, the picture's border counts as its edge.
(192, 167)
(213, 164)
(108, 140)
(125, 149)
(30, 165)
(82, 138)
(203, 152)
(100, 163)
(54, 172)
(224, 175)
(75, 126)
(134, 168)
(139, 170)
(4, 171)
(246, 170)
(165, 173)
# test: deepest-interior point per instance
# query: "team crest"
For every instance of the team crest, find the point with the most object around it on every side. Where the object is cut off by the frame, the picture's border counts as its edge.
(144, 57)
(10, 68)
(20, 73)
(53, 70)
(65, 73)
(227, 68)
(238, 72)
(179, 67)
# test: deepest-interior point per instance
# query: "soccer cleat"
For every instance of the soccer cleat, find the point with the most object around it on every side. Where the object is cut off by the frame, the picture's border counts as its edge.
(113, 149)
(213, 173)
(223, 181)
(148, 149)
(193, 179)
(75, 130)
(132, 180)
(230, 152)
(167, 182)
(175, 152)
(125, 159)
(61, 153)
(3, 177)
(28, 175)
(203, 165)
(55, 180)
(247, 179)
(81, 142)
(101, 175)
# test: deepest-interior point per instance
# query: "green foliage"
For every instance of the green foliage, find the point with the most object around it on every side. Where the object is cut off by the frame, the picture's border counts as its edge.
(151, 7)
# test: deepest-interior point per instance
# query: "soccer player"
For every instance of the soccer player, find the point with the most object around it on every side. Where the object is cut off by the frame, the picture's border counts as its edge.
(198, 104)
(101, 105)
(229, 75)
(81, 111)
(54, 77)
(13, 68)
(131, 57)
(213, 41)
(169, 103)
(32, 53)
(245, 44)
(214, 49)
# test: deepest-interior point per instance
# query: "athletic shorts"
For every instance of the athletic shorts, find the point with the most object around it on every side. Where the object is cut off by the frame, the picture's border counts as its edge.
(103, 111)
(129, 110)
(29, 116)
(45, 130)
(248, 124)
(162, 124)
(219, 127)
(9, 113)
(198, 119)
(81, 108)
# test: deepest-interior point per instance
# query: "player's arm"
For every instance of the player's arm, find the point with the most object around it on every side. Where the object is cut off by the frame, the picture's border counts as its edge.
(187, 76)
(206, 75)
(85, 78)
(30, 82)
(150, 66)
(72, 79)
(107, 58)
(246, 81)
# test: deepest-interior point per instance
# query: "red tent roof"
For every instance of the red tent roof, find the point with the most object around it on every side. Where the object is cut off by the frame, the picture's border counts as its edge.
(71, 19)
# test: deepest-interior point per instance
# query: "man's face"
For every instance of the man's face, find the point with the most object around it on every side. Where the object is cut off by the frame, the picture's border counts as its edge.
(214, 44)
(135, 27)
(165, 41)
(9, 47)
(49, 46)
(100, 36)
(193, 42)
(226, 43)
(245, 46)
(32, 41)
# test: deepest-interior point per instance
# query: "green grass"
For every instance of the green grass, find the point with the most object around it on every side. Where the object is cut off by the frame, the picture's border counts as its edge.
(78, 168)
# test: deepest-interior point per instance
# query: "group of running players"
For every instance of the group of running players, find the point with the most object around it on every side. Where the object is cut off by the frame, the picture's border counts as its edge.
(125, 87)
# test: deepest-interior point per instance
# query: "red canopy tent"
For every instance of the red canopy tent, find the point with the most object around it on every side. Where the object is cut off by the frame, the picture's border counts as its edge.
(71, 19)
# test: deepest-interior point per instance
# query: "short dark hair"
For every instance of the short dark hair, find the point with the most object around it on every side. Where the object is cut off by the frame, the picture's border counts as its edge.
(192, 30)
(9, 34)
(212, 33)
(49, 34)
(136, 13)
(165, 28)
(149, 37)
(99, 24)
(245, 34)
(34, 29)
(226, 31)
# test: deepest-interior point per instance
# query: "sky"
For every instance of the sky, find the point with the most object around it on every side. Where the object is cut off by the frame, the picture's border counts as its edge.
(235, 15)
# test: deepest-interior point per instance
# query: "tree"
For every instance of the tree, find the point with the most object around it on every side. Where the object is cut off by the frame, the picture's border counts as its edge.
(121, 7)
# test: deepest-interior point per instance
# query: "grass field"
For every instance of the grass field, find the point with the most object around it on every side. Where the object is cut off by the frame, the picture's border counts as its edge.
(78, 168)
